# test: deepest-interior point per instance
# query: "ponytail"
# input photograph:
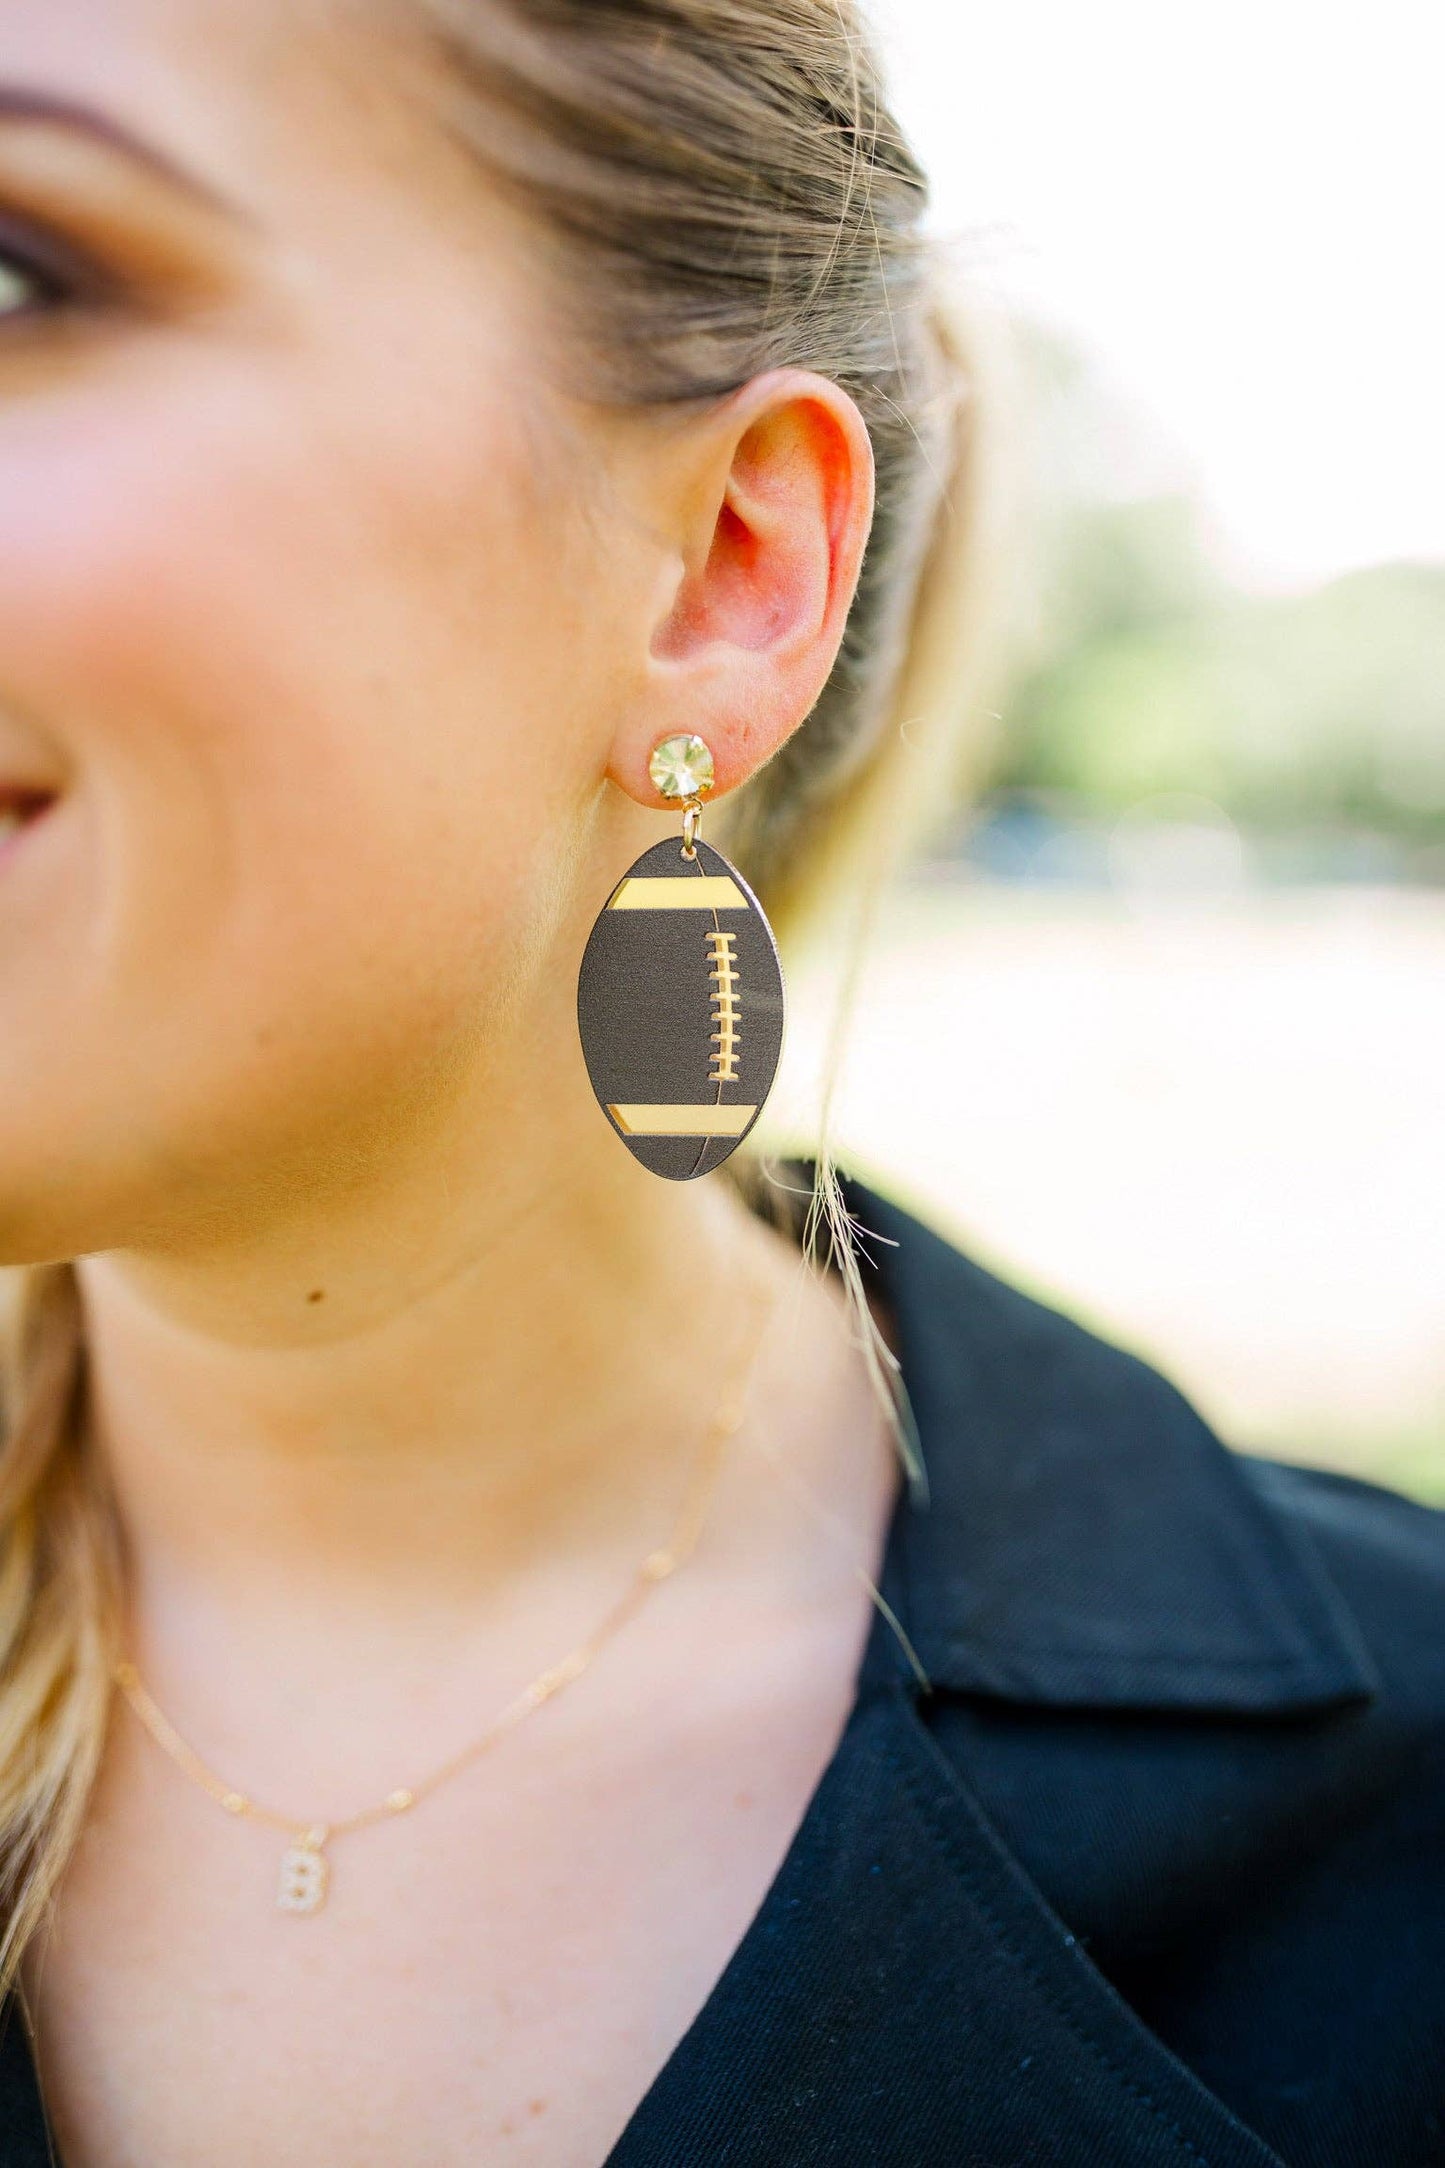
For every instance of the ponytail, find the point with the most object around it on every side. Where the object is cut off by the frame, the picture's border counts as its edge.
(951, 652)
(950, 665)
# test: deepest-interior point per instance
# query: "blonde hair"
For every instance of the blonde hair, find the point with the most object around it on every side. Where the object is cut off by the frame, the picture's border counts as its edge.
(725, 190)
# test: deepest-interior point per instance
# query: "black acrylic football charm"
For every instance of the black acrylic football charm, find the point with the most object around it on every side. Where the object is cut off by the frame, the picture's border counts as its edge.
(680, 1008)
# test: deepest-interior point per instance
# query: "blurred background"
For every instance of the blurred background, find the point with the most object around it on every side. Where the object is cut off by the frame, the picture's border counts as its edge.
(1157, 1030)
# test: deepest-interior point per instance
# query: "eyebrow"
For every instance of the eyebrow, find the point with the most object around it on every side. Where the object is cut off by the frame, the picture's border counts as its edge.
(20, 104)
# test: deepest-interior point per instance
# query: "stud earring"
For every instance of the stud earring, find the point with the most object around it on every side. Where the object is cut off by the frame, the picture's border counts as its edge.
(680, 1000)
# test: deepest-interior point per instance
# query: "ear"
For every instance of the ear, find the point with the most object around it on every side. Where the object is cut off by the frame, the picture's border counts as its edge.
(767, 510)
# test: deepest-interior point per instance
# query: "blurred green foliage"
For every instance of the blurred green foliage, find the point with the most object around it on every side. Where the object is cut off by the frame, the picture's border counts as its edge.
(1148, 670)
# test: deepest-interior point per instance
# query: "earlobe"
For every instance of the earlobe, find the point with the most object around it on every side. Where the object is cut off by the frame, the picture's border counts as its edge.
(771, 533)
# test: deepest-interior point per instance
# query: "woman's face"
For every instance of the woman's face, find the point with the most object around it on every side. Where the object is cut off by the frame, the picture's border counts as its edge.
(307, 619)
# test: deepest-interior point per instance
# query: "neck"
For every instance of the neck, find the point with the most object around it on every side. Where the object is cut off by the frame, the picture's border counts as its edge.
(423, 1402)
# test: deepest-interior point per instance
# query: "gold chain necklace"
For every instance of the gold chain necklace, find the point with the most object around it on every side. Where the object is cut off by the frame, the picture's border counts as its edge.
(304, 1865)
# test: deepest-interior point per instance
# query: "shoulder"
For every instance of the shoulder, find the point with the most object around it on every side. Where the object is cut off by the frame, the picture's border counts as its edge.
(1088, 1540)
(1185, 1729)
(1384, 1552)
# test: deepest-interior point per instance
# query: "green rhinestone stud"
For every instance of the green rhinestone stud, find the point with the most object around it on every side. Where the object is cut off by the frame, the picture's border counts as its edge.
(681, 767)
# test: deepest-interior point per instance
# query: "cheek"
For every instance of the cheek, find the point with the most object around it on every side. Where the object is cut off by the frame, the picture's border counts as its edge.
(312, 678)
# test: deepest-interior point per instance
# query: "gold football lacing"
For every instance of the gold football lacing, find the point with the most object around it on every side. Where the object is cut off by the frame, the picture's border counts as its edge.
(725, 1008)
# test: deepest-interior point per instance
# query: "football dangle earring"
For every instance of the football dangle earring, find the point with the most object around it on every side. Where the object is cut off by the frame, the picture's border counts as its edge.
(680, 1001)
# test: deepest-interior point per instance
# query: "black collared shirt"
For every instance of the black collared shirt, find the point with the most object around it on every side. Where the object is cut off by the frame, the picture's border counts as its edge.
(1154, 1870)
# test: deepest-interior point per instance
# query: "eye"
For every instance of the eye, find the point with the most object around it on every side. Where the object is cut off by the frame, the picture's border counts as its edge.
(21, 287)
(42, 275)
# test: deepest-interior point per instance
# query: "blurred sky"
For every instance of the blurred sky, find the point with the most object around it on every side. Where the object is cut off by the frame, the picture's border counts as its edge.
(1237, 210)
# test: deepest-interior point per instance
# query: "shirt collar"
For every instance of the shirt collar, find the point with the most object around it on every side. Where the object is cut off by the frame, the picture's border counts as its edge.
(1087, 1539)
